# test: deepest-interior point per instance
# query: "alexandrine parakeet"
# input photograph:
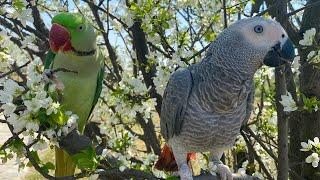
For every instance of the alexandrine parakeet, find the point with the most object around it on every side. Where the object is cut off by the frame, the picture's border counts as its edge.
(205, 105)
(73, 47)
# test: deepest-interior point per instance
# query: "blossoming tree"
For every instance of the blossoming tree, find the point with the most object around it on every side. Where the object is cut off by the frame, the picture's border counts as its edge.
(143, 42)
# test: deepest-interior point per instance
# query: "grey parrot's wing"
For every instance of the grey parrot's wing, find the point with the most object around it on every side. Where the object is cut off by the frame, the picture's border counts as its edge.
(175, 100)
(249, 108)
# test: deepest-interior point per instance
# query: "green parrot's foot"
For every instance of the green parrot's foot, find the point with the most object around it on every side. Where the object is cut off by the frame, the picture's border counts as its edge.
(74, 142)
(50, 75)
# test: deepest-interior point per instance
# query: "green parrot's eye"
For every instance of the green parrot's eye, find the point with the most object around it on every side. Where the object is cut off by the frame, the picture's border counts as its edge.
(258, 29)
(81, 27)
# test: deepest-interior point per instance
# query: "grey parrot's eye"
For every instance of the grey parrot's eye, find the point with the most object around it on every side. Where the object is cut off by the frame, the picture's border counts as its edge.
(258, 29)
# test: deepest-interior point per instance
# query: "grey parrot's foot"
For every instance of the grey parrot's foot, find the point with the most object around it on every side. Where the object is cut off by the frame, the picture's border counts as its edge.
(185, 173)
(221, 169)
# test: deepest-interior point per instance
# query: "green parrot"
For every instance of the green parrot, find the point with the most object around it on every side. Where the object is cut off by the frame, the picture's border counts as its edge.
(73, 47)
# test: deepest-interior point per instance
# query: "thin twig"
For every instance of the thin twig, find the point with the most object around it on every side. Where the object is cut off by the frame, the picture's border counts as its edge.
(225, 19)
(199, 52)
(312, 5)
(257, 157)
(252, 134)
(14, 70)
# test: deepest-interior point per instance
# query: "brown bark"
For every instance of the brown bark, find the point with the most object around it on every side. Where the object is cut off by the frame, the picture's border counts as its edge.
(310, 86)
(281, 89)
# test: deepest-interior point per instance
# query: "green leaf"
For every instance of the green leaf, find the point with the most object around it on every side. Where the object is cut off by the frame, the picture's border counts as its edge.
(60, 118)
(86, 159)
(18, 4)
(85, 164)
(172, 178)
(35, 156)
(42, 116)
(48, 166)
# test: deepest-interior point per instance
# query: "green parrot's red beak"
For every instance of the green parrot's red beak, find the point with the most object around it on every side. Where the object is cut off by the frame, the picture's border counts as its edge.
(59, 38)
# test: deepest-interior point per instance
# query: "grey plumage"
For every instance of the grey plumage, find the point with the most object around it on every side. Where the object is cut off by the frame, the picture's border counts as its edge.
(205, 105)
(210, 95)
(176, 99)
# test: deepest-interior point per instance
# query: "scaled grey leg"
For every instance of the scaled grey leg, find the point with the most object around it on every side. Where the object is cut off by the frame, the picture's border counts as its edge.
(181, 159)
(217, 166)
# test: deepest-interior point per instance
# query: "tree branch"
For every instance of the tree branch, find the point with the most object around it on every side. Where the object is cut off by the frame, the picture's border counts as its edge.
(312, 5)
(112, 54)
(257, 157)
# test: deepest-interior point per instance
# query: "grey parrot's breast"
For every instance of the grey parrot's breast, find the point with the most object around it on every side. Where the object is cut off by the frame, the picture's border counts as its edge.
(213, 122)
(203, 131)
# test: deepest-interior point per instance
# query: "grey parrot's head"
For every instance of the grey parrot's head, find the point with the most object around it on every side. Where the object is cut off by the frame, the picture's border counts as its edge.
(254, 42)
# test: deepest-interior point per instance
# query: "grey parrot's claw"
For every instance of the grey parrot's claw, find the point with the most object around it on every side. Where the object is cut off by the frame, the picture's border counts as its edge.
(217, 167)
(224, 172)
(185, 173)
(74, 142)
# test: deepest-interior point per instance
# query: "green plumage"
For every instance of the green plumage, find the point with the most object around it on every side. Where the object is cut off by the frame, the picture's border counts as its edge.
(82, 89)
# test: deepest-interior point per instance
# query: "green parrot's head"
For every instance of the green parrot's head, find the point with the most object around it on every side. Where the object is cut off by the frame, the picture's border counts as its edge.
(72, 32)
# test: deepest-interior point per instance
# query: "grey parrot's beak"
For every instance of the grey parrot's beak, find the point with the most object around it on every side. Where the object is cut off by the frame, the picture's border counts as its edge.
(280, 54)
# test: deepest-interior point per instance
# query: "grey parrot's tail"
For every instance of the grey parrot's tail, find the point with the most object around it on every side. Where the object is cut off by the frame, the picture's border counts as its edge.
(167, 162)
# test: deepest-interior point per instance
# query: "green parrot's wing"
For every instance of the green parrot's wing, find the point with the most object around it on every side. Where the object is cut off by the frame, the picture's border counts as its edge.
(49, 59)
(99, 83)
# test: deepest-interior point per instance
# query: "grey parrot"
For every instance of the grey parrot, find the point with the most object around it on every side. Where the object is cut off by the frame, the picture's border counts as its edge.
(205, 105)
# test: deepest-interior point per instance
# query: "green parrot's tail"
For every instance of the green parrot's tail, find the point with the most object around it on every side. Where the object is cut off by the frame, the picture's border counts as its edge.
(64, 164)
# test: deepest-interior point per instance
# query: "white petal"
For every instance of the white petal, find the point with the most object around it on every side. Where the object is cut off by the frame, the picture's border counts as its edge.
(309, 159)
(315, 164)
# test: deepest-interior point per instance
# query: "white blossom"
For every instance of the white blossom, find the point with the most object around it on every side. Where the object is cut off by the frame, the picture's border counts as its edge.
(258, 175)
(296, 65)
(29, 139)
(306, 146)
(23, 15)
(104, 152)
(316, 142)
(53, 108)
(288, 103)
(32, 126)
(151, 158)
(243, 168)
(93, 177)
(17, 123)
(50, 133)
(27, 40)
(313, 159)
(308, 37)
(41, 145)
(8, 109)
(311, 54)
(10, 90)
(314, 57)
(72, 121)
(122, 168)
(103, 129)
(273, 119)
(32, 105)
(64, 130)
(5, 97)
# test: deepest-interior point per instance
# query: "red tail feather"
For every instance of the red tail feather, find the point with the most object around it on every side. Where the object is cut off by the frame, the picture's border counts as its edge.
(167, 161)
